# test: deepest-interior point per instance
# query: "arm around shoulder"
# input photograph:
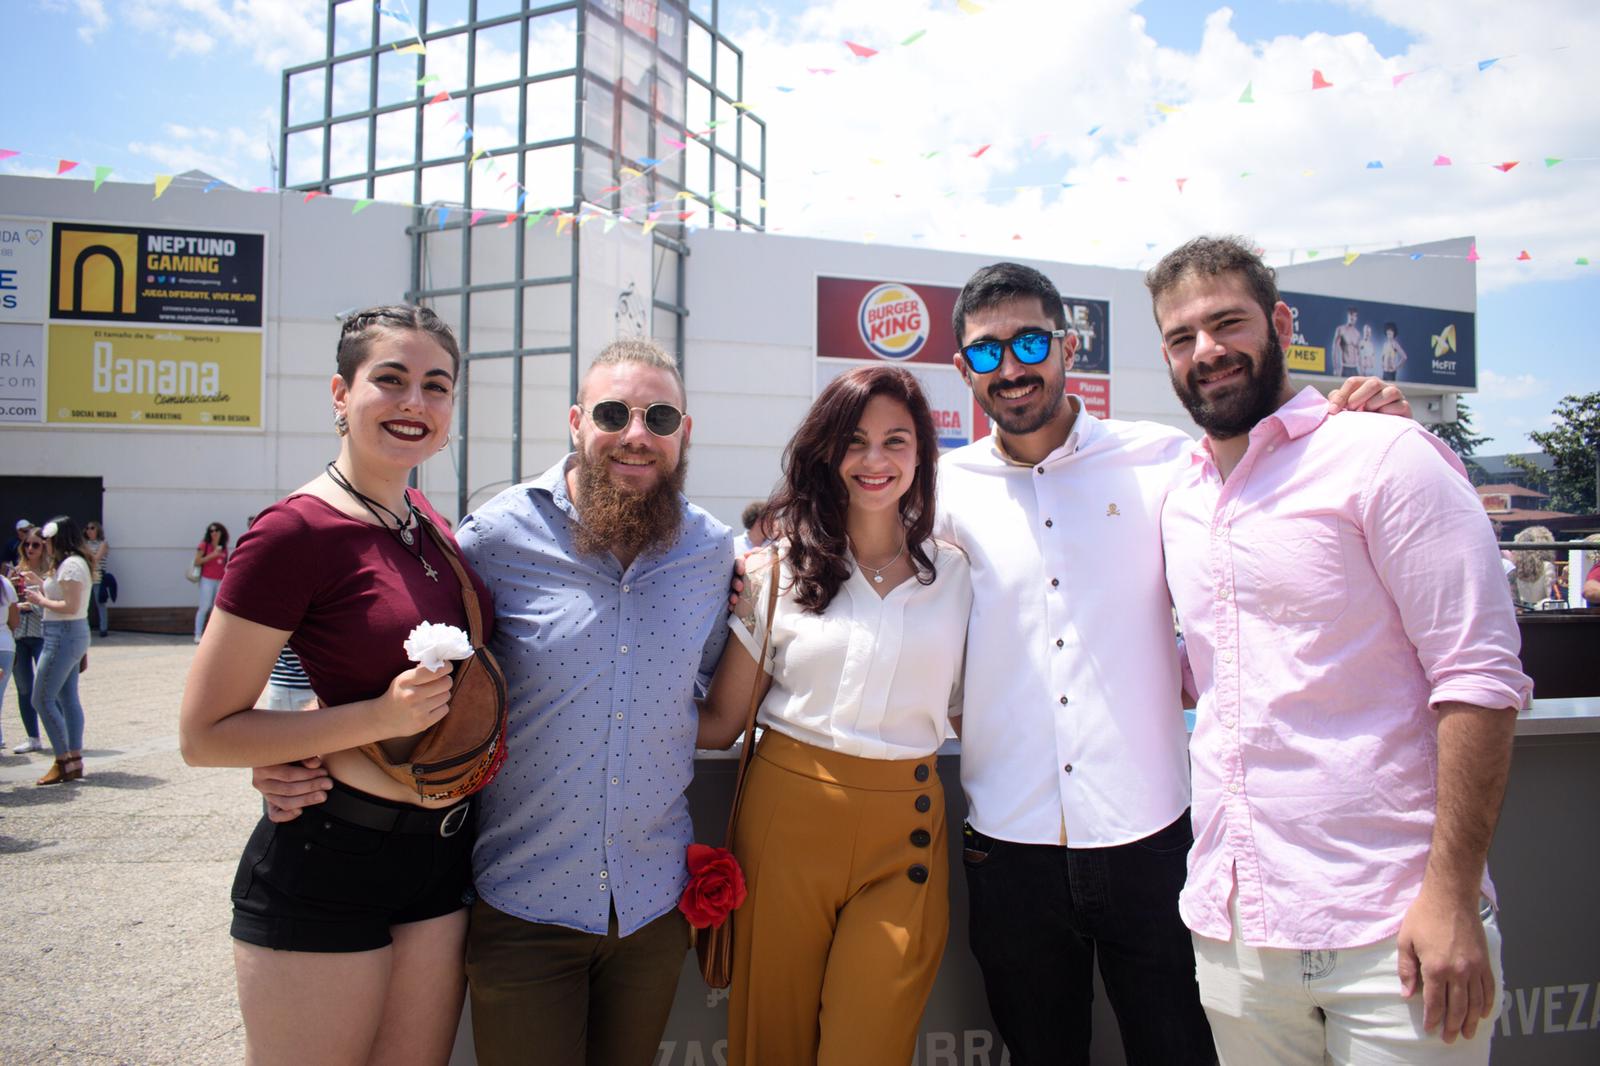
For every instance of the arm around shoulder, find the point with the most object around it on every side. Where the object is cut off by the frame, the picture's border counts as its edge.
(739, 677)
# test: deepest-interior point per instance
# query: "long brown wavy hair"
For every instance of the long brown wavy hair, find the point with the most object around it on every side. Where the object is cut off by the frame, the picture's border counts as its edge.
(810, 502)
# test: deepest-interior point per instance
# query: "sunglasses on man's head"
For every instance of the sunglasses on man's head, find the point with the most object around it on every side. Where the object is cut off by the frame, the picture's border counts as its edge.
(1031, 346)
(612, 416)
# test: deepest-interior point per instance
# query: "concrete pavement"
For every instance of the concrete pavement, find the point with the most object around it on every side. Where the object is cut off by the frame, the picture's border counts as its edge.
(114, 940)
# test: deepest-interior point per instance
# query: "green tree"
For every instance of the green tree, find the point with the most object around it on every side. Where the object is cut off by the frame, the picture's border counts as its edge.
(1571, 446)
(1459, 434)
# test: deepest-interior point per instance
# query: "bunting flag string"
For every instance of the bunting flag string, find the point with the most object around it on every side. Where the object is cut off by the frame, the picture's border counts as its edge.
(651, 214)
(654, 214)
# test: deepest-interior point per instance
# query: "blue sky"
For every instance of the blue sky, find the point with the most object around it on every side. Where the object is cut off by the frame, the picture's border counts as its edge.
(159, 86)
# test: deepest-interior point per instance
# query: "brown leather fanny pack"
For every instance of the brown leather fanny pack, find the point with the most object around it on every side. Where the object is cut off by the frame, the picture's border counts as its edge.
(461, 752)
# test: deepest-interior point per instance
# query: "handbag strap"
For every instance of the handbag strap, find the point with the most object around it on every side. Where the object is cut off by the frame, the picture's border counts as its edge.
(747, 747)
(469, 595)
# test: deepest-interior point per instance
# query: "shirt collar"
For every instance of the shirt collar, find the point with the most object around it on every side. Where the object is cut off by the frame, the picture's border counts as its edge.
(1085, 426)
(553, 483)
(1304, 412)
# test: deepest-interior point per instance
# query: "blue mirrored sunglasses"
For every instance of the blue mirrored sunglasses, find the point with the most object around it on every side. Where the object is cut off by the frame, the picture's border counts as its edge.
(1031, 346)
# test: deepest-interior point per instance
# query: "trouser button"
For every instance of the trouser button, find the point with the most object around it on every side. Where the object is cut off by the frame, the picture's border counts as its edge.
(920, 837)
(921, 771)
(918, 873)
(923, 803)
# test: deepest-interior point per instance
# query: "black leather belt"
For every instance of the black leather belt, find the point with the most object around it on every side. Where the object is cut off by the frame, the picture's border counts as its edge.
(349, 806)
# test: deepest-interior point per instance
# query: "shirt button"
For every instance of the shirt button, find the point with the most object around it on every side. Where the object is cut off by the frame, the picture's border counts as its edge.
(1068, 768)
(1041, 469)
(1048, 523)
(1234, 788)
(602, 875)
(608, 842)
(1060, 643)
(624, 649)
(613, 780)
(627, 588)
(602, 886)
(1055, 582)
(619, 715)
(1227, 656)
(1222, 594)
(1063, 701)
(1272, 447)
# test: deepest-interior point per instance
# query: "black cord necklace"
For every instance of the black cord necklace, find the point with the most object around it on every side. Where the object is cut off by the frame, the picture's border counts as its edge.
(402, 526)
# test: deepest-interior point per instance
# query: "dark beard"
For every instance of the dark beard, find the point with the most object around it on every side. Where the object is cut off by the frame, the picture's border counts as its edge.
(626, 523)
(1240, 410)
(1026, 423)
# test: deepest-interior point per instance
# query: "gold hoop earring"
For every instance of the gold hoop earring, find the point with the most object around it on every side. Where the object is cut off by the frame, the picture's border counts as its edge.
(445, 443)
(341, 424)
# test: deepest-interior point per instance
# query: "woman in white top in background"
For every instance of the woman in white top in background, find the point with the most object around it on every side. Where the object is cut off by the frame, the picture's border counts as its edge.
(64, 596)
(841, 831)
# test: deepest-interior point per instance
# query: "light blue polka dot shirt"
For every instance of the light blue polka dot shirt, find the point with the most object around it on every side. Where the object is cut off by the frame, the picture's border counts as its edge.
(603, 665)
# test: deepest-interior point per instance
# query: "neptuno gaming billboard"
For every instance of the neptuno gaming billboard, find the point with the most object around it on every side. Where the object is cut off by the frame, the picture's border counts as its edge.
(152, 327)
(1338, 337)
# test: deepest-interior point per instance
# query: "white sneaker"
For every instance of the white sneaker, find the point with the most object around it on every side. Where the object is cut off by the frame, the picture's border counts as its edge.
(31, 744)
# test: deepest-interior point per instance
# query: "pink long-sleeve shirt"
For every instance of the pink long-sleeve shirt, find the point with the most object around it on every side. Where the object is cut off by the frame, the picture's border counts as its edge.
(1340, 584)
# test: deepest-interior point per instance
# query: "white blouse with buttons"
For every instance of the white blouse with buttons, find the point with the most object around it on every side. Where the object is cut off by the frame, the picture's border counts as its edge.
(876, 677)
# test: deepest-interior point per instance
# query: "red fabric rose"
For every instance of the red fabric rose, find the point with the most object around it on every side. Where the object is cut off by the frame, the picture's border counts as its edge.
(715, 889)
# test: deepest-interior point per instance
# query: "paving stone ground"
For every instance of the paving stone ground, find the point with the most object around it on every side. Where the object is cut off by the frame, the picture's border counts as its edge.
(114, 889)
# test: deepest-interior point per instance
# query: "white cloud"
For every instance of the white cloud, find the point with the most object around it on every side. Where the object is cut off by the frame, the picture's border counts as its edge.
(237, 155)
(274, 33)
(93, 13)
(1027, 68)
(1511, 387)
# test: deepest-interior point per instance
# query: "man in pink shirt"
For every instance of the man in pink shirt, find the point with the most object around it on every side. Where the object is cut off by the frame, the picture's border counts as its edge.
(1356, 659)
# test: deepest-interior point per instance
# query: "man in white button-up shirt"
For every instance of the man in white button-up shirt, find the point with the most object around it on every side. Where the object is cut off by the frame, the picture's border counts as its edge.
(1073, 742)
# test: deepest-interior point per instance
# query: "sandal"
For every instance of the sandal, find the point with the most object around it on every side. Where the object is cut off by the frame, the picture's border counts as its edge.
(57, 773)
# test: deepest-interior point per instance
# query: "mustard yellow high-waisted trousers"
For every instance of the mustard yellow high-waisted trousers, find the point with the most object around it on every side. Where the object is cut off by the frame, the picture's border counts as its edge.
(838, 943)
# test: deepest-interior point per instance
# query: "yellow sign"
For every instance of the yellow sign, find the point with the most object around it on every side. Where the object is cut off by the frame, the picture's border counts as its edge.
(1306, 359)
(132, 376)
(97, 270)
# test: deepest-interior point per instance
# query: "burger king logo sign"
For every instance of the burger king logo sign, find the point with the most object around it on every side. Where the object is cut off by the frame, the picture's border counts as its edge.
(893, 321)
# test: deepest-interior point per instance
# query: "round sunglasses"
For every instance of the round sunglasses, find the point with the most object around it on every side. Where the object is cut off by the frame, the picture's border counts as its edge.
(1031, 346)
(612, 416)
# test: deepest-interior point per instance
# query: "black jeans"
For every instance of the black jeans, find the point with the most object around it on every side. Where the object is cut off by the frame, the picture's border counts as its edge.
(1040, 914)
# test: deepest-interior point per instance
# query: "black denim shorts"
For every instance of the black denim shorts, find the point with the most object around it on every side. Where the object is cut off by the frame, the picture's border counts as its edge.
(336, 878)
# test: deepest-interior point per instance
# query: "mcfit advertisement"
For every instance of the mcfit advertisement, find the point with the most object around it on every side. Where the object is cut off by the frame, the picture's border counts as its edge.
(1338, 337)
(156, 276)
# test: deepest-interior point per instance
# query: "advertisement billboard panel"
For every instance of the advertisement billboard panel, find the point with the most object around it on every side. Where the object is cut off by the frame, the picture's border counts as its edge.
(877, 319)
(137, 376)
(24, 269)
(1337, 337)
(21, 373)
(156, 275)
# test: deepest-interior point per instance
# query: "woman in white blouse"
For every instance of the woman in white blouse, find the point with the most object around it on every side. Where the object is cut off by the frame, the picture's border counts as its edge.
(841, 831)
(64, 598)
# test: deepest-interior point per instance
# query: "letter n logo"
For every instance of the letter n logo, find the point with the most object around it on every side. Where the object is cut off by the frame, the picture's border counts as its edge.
(95, 273)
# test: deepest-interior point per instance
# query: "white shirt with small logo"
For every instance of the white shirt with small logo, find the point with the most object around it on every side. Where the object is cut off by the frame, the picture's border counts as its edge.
(1073, 731)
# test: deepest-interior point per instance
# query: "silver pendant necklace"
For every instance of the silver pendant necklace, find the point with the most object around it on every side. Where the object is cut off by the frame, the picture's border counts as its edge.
(400, 529)
(877, 571)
